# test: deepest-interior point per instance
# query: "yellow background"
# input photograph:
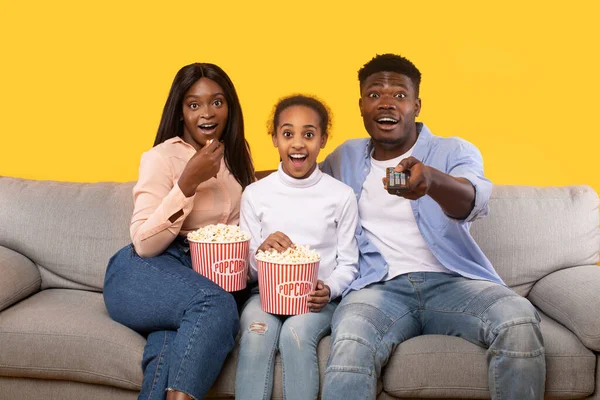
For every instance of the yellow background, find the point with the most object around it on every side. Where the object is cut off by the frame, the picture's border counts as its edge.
(83, 83)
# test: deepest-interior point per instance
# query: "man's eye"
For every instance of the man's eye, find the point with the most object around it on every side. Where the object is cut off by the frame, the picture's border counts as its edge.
(373, 95)
(400, 95)
(218, 103)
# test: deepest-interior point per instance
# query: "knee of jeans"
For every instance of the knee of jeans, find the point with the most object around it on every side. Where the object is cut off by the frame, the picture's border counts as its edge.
(223, 305)
(515, 329)
(354, 346)
(353, 354)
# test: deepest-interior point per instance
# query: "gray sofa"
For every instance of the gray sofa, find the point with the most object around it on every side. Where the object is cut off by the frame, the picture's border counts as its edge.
(58, 342)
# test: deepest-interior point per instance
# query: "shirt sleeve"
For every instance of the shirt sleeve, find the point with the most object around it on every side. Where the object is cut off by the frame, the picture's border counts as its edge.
(156, 198)
(466, 162)
(250, 223)
(346, 269)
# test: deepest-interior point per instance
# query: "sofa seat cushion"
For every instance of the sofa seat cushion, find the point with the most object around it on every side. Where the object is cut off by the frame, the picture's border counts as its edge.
(434, 366)
(67, 334)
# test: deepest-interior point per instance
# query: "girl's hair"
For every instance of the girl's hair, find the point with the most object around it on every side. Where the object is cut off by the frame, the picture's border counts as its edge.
(311, 102)
(237, 151)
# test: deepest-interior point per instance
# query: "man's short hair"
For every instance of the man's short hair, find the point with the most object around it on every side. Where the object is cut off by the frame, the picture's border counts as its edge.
(390, 63)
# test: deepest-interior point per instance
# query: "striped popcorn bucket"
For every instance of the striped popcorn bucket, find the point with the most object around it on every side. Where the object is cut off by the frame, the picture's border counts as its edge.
(226, 264)
(284, 288)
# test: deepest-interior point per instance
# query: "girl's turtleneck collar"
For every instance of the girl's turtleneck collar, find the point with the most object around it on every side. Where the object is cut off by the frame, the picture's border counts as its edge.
(311, 180)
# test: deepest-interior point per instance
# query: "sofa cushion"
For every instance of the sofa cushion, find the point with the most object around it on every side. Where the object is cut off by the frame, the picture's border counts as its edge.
(69, 230)
(435, 366)
(533, 231)
(20, 277)
(25, 388)
(67, 334)
(570, 296)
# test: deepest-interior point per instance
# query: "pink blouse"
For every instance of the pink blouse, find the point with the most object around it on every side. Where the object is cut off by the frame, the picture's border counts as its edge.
(157, 197)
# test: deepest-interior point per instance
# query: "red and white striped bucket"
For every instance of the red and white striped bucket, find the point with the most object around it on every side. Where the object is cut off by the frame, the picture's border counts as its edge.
(226, 264)
(284, 288)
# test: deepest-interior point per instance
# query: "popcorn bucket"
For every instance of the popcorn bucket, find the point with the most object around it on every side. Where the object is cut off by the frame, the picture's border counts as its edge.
(226, 264)
(284, 288)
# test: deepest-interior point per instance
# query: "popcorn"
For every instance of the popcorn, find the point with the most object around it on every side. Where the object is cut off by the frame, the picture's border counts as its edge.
(218, 233)
(296, 254)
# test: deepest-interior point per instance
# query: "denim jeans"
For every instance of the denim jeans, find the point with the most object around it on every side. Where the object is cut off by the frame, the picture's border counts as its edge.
(191, 323)
(296, 337)
(369, 324)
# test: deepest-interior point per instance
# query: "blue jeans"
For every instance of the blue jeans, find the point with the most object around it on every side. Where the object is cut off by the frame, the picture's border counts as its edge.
(190, 321)
(295, 337)
(370, 323)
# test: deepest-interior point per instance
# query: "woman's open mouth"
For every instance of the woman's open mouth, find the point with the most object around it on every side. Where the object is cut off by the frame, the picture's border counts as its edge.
(208, 129)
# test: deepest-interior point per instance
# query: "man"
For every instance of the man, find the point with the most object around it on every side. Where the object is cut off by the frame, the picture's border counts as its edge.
(421, 272)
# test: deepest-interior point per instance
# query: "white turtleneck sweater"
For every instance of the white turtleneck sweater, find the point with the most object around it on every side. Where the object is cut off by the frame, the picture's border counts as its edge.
(318, 211)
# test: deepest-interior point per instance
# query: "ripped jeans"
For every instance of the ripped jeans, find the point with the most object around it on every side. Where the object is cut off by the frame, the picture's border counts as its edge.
(370, 323)
(296, 338)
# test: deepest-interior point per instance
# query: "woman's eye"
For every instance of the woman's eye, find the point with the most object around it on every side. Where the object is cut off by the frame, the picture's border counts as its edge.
(218, 103)
(194, 106)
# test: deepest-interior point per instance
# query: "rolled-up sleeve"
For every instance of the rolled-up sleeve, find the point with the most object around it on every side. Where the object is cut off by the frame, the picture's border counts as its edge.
(156, 199)
(466, 162)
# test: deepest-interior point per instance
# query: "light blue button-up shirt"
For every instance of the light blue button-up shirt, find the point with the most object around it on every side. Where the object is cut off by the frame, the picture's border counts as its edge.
(448, 239)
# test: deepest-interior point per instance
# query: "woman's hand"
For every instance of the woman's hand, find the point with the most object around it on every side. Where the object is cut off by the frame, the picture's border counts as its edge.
(278, 241)
(317, 299)
(201, 167)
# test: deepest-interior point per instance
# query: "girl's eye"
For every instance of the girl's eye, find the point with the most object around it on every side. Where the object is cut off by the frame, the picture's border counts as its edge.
(287, 134)
(373, 95)
(309, 135)
(400, 95)
(218, 103)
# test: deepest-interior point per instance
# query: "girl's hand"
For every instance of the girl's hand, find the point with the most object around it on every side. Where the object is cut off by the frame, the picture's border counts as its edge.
(201, 167)
(278, 241)
(317, 299)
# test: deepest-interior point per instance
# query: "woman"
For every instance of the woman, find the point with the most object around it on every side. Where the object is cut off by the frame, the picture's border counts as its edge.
(193, 176)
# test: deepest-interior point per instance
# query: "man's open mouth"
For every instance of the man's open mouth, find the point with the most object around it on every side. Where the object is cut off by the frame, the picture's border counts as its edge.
(386, 122)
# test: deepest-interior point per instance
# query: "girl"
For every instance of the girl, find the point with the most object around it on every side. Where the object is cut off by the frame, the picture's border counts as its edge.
(312, 209)
(193, 176)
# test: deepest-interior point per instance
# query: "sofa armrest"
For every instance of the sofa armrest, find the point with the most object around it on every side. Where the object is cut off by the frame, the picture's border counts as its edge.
(20, 277)
(572, 297)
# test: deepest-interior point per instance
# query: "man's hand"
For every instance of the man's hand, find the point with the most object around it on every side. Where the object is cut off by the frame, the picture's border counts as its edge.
(456, 196)
(317, 299)
(201, 167)
(420, 179)
(278, 241)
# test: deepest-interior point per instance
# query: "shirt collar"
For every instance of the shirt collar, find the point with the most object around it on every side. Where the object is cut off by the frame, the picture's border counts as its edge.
(178, 139)
(287, 180)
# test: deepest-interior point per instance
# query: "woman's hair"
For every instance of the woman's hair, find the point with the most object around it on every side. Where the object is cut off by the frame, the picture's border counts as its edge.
(311, 102)
(237, 151)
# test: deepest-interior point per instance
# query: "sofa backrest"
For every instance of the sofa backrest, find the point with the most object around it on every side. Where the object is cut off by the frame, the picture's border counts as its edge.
(70, 230)
(533, 231)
